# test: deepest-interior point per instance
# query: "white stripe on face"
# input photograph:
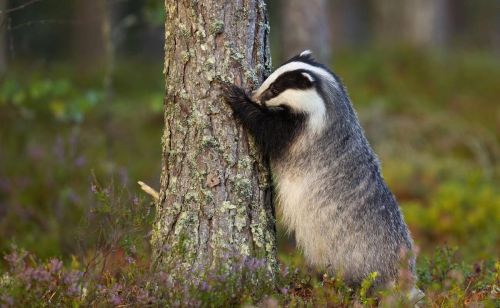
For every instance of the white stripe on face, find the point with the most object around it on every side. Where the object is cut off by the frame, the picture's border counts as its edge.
(307, 101)
(292, 66)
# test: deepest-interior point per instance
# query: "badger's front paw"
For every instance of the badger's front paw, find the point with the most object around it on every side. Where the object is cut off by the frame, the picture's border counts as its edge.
(234, 95)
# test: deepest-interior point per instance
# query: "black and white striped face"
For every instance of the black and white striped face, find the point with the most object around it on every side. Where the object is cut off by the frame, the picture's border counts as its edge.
(294, 85)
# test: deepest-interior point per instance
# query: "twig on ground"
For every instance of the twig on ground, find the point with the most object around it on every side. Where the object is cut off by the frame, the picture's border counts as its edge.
(150, 191)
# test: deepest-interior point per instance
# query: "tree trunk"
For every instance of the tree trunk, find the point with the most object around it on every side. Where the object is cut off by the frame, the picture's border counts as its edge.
(91, 35)
(427, 22)
(215, 199)
(350, 23)
(3, 39)
(306, 26)
(389, 21)
(421, 23)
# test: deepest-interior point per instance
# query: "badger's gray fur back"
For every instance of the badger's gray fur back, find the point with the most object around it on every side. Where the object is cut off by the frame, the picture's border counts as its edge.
(330, 191)
(332, 195)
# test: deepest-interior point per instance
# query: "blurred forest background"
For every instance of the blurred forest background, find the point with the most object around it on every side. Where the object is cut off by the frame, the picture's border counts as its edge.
(81, 90)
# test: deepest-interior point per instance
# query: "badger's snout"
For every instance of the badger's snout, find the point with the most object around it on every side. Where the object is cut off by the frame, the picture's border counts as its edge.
(262, 97)
(254, 97)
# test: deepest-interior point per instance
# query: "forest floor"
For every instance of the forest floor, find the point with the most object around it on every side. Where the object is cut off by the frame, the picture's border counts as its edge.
(74, 225)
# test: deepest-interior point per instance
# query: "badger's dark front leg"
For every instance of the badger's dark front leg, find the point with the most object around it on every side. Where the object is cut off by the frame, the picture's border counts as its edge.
(273, 129)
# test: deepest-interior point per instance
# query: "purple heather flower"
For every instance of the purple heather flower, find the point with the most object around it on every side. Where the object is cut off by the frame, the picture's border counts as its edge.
(143, 297)
(55, 265)
(73, 291)
(14, 258)
(163, 277)
(115, 296)
(27, 274)
(135, 201)
(73, 197)
(204, 286)
(40, 275)
(129, 260)
(72, 278)
(80, 161)
(7, 301)
(116, 299)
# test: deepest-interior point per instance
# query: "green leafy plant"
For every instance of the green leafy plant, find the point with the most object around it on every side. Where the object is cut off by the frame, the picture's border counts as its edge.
(56, 98)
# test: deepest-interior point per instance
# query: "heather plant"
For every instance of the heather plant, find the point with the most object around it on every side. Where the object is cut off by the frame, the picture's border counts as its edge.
(40, 186)
(31, 282)
(46, 163)
(450, 282)
(115, 269)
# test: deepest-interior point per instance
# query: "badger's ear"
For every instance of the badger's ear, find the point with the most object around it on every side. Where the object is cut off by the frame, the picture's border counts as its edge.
(308, 76)
(306, 52)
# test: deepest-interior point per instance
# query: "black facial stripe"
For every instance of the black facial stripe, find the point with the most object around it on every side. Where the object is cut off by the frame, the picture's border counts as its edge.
(289, 80)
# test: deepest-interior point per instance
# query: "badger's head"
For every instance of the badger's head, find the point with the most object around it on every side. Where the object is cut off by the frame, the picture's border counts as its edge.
(300, 85)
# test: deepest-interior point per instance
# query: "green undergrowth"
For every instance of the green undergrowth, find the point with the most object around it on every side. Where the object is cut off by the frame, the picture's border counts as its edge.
(114, 269)
(71, 152)
(30, 282)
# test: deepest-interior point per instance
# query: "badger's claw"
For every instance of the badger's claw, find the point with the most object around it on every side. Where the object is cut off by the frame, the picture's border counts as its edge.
(234, 95)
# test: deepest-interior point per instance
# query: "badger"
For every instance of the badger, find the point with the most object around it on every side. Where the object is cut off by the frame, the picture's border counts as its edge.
(329, 187)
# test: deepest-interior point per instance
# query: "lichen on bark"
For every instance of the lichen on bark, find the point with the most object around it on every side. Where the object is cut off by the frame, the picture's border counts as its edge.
(215, 198)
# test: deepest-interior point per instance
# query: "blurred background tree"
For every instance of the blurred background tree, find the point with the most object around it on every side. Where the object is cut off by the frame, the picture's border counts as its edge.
(81, 89)
(307, 26)
(50, 29)
(3, 42)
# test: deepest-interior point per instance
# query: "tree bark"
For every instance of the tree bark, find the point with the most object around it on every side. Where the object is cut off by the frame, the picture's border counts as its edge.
(215, 197)
(305, 25)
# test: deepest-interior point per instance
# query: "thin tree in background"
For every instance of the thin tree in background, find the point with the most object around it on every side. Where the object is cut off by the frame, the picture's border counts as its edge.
(3, 39)
(427, 22)
(349, 22)
(421, 23)
(91, 39)
(305, 25)
(214, 201)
